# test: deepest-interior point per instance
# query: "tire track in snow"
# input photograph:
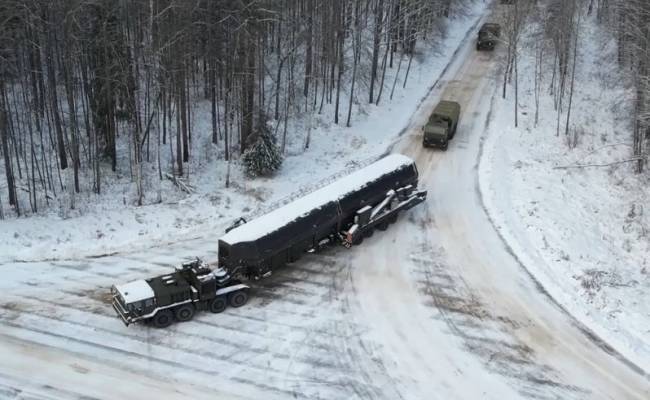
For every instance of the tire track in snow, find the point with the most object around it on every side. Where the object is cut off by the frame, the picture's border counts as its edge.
(194, 367)
(21, 389)
(230, 324)
(316, 371)
(488, 335)
(220, 341)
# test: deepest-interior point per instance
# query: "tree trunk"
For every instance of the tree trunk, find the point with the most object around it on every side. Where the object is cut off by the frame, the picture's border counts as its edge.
(379, 9)
(4, 135)
(308, 52)
(341, 51)
(248, 96)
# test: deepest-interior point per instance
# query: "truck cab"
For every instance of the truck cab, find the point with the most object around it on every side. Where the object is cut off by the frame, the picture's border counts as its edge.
(442, 124)
(133, 300)
(177, 295)
(488, 36)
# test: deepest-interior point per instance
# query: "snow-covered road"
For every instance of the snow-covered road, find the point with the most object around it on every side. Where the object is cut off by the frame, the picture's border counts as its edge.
(448, 282)
(434, 308)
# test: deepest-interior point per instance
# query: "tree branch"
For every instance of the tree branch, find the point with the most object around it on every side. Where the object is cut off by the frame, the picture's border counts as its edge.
(599, 165)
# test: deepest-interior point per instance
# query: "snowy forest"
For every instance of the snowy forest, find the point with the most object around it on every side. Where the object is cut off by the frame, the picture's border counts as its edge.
(86, 85)
(557, 34)
(90, 85)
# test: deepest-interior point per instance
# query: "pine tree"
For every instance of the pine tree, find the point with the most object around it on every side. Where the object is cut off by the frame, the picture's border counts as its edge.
(264, 156)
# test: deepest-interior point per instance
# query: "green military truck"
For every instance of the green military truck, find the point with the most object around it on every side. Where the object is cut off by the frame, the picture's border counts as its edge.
(442, 124)
(488, 36)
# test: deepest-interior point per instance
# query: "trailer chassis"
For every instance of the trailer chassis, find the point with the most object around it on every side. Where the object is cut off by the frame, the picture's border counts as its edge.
(382, 214)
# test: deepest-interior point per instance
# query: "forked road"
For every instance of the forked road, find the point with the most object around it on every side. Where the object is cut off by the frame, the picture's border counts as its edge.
(433, 308)
(443, 281)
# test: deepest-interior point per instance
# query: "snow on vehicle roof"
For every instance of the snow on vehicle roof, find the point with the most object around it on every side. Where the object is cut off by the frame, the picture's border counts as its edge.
(135, 291)
(281, 216)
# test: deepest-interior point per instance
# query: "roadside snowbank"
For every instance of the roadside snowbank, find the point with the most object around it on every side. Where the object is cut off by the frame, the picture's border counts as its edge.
(582, 232)
(109, 223)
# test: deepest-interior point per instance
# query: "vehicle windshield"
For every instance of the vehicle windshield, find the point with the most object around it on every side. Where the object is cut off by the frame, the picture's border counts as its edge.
(139, 307)
(135, 306)
(486, 34)
(435, 131)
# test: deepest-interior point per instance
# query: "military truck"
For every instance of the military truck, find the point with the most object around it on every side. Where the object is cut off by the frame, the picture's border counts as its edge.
(442, 124)
(178, 295)
(488, 36)
(343, 212)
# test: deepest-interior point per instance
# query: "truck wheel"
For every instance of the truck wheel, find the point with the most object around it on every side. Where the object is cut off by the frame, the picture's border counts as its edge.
(445, 146)
(293, 257)
(393, 218)
(184, 312)
(163, 319)
(383, 226)
(368, 233)
(218, 305)
(238, 298)
(358, 240)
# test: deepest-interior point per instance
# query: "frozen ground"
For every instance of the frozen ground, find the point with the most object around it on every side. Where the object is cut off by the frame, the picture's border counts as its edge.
(434, 308)
(583, 232)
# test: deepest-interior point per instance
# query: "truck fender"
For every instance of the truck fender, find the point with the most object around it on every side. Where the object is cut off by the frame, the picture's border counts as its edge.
(130, 320)
(232, 288)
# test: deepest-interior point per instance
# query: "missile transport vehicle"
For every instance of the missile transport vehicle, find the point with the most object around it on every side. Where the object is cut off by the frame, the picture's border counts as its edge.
(442, 124)
(488, 36)
(343, 212)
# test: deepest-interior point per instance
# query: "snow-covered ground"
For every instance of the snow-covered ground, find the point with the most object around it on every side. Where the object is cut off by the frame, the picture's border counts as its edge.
(110, 223)
(582, 232)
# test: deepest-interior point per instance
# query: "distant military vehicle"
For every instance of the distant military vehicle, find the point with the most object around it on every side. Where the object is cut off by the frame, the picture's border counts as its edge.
(442, 124)
(488, 36)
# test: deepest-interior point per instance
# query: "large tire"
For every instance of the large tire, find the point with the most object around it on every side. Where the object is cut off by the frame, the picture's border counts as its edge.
(368, 233)
(393, 218)
(445, 146)
(184, 313)
(293, 257)
(383, 226)
(238, 298)
(163, 319)
(219, 304)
